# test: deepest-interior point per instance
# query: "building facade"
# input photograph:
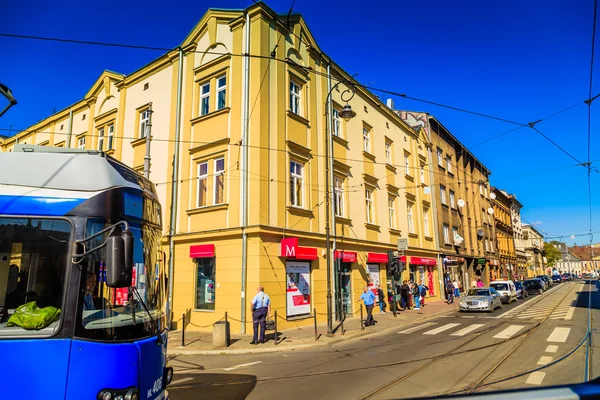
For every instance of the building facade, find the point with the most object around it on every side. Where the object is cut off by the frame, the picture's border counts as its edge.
(534, 247)
(238, 154)
(521, 256)
(460, 189)
(502, 212)
(588, 256)
(568, 263)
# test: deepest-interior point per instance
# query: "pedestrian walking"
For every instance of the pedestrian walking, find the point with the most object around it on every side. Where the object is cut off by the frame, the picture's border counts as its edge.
(261, 308)
(456, 289)
(417, 296)
(423, 293)
(450, 292)
(368, 297)
(404, 289)
(479, 283)
(381, 296)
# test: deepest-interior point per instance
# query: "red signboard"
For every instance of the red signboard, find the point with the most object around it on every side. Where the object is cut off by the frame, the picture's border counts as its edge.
(422, 260)
(202, 251)
(381, 258)
(290, 249)
(346, 256)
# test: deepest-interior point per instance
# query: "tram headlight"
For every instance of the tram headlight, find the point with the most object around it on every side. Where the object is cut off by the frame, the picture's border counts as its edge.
(118, 394)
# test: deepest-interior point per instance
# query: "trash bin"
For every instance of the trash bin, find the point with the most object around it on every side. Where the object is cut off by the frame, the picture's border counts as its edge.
(221, 334)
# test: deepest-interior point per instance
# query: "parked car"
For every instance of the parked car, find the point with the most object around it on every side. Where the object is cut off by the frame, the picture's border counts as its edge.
(547, 280)
(566, 276)
(534, 286)
(480, 299)
(507, 290)
(521, 291)
(557, 278)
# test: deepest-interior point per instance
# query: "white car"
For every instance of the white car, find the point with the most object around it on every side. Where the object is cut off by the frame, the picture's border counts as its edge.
(507, 290)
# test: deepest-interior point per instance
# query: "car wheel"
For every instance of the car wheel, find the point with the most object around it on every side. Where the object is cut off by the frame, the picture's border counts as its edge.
(500, 306)
(540, 291)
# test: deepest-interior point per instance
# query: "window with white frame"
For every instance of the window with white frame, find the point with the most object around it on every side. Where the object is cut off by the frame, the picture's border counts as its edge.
(219, 181)
(422, 173)
(388, 152)
(369, 205)
(366, 140)
(296, 184)
(446, 230)
(144, 120)
(487, 245)
(110, 145)
(409, 218)
(295, 97)
(202, 184)
(338, 204)
(205, 98)
(481, 189)
(485, 192)
(337, 123)
(80, 143)
(426, 221)
(449, 164)
(452, 199)
(443, 194)
(407, 163)
(440, 155)
(221, 92)
(454, 232)
(101, 139)
(392, 211)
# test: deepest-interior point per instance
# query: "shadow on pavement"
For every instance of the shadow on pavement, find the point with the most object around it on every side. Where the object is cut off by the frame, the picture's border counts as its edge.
(211, 386)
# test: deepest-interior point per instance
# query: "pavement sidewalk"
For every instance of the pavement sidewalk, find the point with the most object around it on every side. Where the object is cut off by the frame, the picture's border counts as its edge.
(200, 343)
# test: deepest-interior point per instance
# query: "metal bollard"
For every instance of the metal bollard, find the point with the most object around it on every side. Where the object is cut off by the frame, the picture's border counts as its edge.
(275, 323)
(226, 316)
(342, 322)
(183, 330)
(362, 326)
(315, 321)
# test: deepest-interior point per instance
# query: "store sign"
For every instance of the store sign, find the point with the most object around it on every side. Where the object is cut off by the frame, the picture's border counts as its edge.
(481, 261)
(298, 288)
(346, 256)
(373, 277)
(422, 260)
(290, 249)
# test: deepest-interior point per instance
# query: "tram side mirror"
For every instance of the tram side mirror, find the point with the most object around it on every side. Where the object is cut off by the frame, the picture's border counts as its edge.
(119, 260)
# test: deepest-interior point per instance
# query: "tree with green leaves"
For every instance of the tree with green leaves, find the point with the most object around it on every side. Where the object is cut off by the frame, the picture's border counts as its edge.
(552, 253)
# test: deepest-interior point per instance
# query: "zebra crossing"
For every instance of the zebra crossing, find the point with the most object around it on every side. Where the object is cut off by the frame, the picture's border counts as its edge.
(459, 329)
(564, 312)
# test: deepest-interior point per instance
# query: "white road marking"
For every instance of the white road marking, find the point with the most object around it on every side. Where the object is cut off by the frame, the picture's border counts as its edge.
(178, 381)
(544, 360)
(552, 348)
(570, 314)
(535, 378)
(440, 329)
(417, 328)
(241, 365)
(559, 335)
(509, 332)
(466, 330)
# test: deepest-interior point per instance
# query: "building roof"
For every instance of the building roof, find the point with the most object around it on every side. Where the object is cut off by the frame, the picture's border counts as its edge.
(584, 253)
(532, 228)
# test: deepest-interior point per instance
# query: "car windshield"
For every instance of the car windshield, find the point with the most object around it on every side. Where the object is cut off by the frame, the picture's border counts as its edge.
(518, 285)
(120, 313)
(478, 292)
(499, 286)
(33, 262)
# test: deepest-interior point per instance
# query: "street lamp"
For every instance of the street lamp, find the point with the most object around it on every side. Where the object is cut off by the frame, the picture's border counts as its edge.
(347, 114)
(9, 96)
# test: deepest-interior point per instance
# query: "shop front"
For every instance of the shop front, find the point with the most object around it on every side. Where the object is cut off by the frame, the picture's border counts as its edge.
(344, 262)
(494, 269)
(298, 278)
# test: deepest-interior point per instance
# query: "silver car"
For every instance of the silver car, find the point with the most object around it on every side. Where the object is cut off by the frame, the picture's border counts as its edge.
(480, 299)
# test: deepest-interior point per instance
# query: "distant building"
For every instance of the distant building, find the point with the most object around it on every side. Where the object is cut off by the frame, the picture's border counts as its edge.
(588, 256)
(568, 262)
(534, 245)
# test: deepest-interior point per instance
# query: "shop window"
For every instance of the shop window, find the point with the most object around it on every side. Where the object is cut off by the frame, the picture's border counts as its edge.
(205, 284)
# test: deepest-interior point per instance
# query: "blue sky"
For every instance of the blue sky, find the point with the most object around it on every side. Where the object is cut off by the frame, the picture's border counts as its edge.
(520, 60)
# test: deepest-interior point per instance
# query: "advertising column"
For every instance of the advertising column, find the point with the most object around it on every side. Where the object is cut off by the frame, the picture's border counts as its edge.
(298, 288)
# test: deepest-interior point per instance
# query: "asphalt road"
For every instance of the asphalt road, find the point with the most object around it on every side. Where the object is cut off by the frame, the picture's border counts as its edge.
(456, 353)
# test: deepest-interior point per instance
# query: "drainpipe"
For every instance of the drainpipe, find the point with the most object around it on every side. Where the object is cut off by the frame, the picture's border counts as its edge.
(175, 187)
(148, 133)
(246, 104)
(70, 127)
(335, 305)
(435, 216)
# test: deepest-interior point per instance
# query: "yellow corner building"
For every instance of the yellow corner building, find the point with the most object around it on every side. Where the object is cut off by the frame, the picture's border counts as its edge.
(240, 152)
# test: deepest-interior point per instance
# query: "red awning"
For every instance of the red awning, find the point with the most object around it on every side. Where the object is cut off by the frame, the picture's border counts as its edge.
(290, 249)
(381, 258)
(346, 256)
(423, 260)
(202, 251)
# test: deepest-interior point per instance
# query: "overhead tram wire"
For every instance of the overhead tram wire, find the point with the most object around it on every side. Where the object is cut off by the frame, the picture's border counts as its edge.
(308, 69)
(589, 123)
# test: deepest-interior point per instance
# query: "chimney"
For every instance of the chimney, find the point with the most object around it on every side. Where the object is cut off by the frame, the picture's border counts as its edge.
(390, 103)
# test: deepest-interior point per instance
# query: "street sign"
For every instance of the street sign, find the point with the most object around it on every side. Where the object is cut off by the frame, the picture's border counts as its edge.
(403, 244)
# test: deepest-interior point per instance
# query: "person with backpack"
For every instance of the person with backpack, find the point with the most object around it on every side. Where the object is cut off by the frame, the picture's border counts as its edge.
(450, 291)
(416, 291)
(381, 296)
(423, 293)
(404, 290)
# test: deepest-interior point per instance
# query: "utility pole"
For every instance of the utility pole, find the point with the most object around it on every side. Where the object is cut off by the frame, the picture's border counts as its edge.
(148, 133)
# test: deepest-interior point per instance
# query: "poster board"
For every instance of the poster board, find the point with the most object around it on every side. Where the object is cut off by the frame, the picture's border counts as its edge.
(297, 288)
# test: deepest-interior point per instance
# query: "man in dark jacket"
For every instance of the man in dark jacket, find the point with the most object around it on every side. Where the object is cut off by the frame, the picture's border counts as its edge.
(404, 293)
(381, 296)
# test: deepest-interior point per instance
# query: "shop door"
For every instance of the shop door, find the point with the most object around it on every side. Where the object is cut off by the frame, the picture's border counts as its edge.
(346, 291)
